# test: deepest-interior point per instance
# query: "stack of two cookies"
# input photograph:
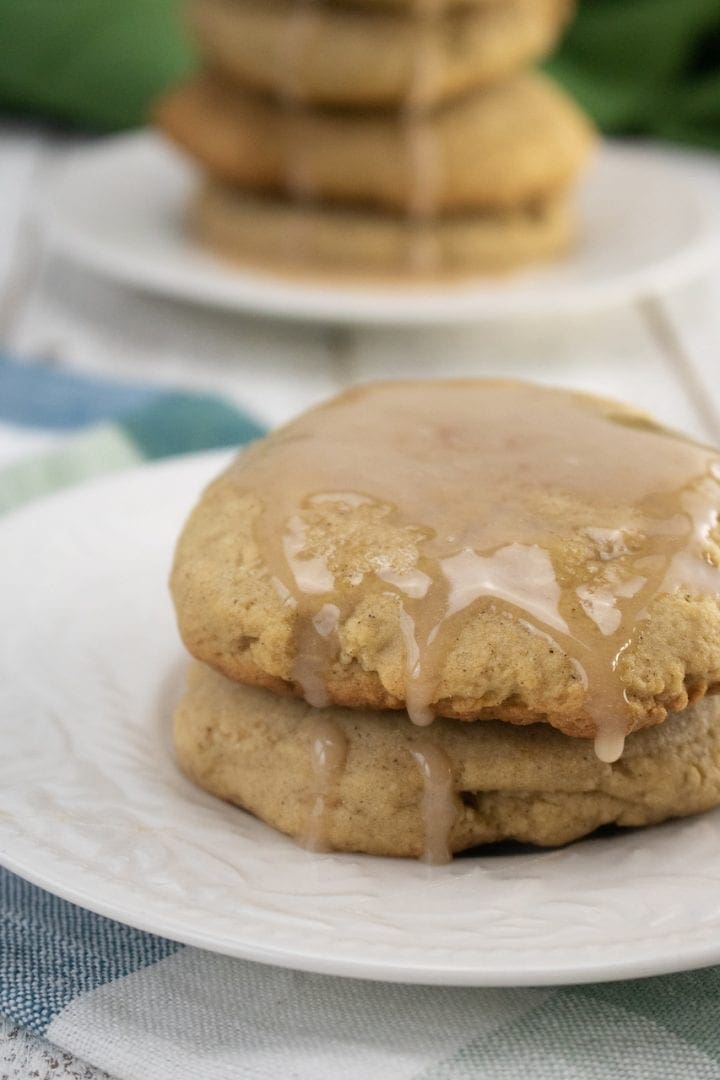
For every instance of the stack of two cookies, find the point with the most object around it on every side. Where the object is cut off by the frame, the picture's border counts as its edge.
(380, 136)
(427, 615)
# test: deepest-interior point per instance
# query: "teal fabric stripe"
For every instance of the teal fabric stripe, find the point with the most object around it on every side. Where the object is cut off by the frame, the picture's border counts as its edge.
(176, 423)
(35, 395)
(575, 1036)
(51, 952)
(687, 1004)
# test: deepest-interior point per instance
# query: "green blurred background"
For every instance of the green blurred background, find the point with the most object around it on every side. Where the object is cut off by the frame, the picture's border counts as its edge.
(638, 66)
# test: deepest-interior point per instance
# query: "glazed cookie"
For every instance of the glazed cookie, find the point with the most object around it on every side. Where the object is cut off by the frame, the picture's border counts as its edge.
(470, 549)
(343, 55)
(387, 788)
(513, 144)
(284, 236)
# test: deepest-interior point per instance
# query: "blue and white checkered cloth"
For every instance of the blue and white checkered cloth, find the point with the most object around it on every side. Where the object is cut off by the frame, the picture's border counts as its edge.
(144, 1008)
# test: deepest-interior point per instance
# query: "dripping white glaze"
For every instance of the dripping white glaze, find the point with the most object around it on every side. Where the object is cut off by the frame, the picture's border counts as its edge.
(328, 752)
(301, 29)
(438, 801)
(609, 746)
(424, 150)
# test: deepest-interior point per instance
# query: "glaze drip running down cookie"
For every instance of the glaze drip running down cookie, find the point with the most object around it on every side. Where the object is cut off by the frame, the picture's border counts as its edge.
(474, 550)
(406, 126)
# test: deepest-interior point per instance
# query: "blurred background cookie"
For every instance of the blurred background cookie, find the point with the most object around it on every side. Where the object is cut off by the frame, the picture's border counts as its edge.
(345, 54)
(647, 67)
(276, 232)
(465, 132)
(512, 144)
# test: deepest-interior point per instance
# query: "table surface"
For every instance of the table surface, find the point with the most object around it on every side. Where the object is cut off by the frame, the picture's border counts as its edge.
(659, 353)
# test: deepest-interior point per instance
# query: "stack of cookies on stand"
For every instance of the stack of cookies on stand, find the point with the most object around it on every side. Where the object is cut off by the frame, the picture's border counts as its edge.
(382, 137)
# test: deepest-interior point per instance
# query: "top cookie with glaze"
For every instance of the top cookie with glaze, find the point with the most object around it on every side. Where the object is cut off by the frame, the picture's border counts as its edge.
(471, 549)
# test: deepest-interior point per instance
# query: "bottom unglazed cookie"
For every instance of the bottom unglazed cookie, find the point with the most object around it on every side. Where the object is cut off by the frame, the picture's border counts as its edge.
(364, 781)
(284, 235)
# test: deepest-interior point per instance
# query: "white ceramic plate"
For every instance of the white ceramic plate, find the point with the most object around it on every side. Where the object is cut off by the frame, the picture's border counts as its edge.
(93, 808)
(650, 220)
